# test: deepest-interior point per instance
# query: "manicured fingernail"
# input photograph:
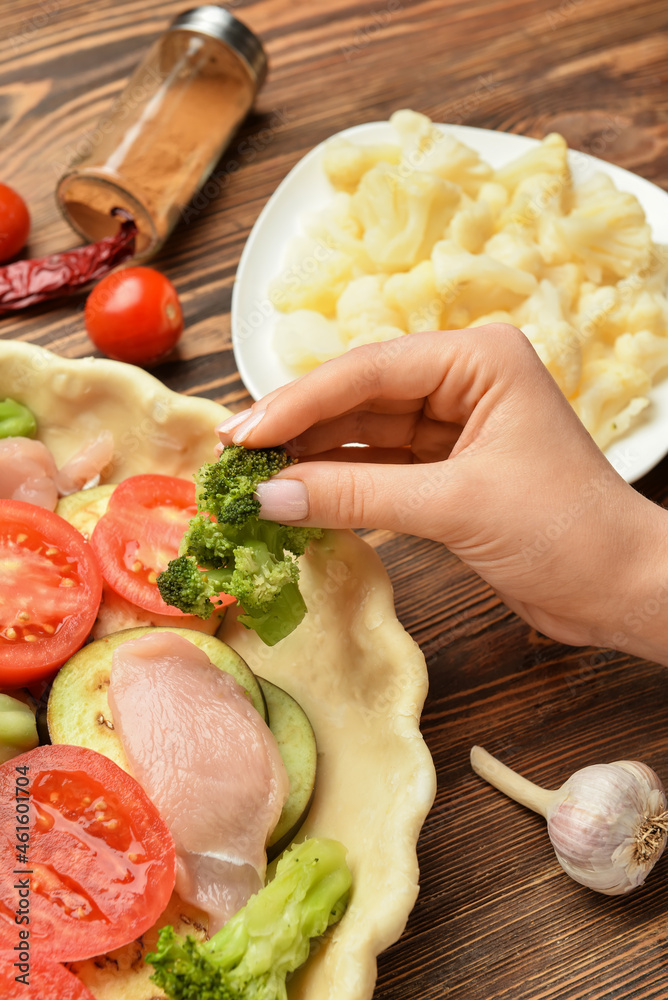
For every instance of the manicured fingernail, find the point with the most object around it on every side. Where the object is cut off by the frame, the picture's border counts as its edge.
(234, 421)
(243, 430)
(283, 500)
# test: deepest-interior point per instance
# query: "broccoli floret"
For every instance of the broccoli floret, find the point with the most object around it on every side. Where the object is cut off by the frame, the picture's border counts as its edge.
(251, 956)
(195, 591)
(207, 543)
(225, 488)
(228, 547)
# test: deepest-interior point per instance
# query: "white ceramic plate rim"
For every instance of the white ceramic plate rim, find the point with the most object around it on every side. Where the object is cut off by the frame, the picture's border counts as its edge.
(305, 190)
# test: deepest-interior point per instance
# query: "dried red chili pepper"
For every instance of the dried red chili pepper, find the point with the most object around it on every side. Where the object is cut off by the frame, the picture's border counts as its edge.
(26, 282)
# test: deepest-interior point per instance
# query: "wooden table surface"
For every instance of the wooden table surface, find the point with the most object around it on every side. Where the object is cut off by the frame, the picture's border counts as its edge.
(496, 917)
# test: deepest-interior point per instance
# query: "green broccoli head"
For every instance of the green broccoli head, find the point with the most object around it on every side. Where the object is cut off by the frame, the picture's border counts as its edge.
(208, 545)
(227, 547)
(225, 488)
(259, 576)
(194, 592)
(268, 938)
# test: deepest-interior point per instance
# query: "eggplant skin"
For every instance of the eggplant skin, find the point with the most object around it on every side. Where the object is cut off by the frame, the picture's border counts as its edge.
(297, 744)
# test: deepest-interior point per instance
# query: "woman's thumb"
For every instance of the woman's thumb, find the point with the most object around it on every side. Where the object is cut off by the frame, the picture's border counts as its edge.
(404, 498)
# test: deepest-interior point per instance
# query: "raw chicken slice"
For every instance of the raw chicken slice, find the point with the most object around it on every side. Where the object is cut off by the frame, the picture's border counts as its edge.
(27, 472)
(84, 468)
(207, 760)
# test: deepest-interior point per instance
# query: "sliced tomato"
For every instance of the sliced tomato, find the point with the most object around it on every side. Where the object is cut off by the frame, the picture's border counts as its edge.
(94, 864)
(139, 534)
(37, 978)
(50, 591)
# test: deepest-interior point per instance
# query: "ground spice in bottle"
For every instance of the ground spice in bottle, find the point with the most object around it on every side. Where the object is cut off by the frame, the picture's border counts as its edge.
(165, 133)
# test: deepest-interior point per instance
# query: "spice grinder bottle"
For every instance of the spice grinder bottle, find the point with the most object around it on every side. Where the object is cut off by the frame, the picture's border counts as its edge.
(164, 134)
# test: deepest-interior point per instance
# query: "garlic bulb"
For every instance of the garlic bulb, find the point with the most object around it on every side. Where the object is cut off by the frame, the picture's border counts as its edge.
(608, 823)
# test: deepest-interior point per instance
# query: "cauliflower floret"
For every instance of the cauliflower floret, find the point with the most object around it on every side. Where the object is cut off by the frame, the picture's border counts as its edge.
(413, 293)
(606, 230)
(654, 274)
(336, 228)
(643, 349)
(612, 394)
(639, 309)
(535, 201)
(472, 225)
(432, 150)
(402, 216)
(313, 278)
(556, 341)
(304, 339)
(454, 266)
(494, 195)
(550, 157)
(345, 163)
(362, 308)
(514, 249)
(593, 317)
(568, 278)
(556, 344)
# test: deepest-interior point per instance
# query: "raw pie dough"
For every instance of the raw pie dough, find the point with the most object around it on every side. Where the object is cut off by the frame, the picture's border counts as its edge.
(359, 676)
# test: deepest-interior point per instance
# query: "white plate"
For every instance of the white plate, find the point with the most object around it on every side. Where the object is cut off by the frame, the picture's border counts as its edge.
(307, 190)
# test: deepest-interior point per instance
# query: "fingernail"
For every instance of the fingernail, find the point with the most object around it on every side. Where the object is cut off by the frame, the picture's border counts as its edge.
(233, 421)
(283, 500)
(244, 429)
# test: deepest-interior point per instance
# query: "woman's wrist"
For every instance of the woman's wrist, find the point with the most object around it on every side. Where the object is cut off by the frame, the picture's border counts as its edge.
(637, 622)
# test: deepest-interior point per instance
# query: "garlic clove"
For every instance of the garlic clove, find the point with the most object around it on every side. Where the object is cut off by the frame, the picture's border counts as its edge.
(607, 825)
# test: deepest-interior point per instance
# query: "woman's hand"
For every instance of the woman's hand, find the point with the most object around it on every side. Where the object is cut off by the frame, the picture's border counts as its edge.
(471, 443)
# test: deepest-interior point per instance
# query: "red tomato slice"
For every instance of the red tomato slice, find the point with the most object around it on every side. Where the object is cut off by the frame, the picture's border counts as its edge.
(139, 534)
(50, 590)
(39, 978)
(93, 866)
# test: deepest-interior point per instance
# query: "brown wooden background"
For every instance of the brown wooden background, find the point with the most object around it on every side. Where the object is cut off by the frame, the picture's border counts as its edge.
(496, 917)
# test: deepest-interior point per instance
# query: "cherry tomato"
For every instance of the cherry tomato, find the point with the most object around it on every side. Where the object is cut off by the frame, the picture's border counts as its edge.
(50, 591)
(45, 978)
(14, 222)
(140, 532)
(134, 315)
(101, 860)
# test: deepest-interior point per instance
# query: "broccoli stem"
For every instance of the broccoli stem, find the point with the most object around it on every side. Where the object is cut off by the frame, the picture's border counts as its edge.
(286, 611)
(251, 956)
